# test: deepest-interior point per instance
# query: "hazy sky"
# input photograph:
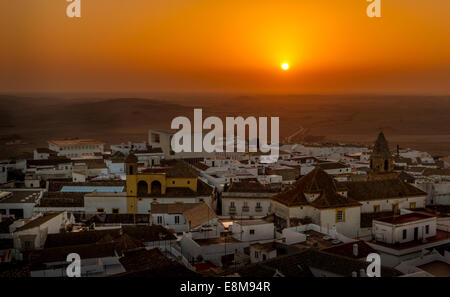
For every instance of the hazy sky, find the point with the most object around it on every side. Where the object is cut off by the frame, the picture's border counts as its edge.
(225, 46)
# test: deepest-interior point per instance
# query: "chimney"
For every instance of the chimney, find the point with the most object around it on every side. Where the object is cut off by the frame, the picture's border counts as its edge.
(355, 249)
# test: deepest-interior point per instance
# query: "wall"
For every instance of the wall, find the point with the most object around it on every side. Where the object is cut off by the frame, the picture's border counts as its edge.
(350, 226)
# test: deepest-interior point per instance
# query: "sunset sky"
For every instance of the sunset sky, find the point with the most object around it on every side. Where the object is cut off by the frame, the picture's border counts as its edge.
(225, 46)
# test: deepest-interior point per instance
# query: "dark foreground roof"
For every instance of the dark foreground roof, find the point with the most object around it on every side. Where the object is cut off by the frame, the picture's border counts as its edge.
(152, 263)
(301, 263)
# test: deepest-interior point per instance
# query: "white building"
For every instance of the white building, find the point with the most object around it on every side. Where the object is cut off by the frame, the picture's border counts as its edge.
(33, 234)
(247, 200)
(19, 202)
(3, 174)
(253, 230)
(404, 237)
(316, 198)
(76, 148)
(125, 148)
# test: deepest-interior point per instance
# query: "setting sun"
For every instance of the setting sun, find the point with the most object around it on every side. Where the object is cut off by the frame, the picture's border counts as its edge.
(285, 66)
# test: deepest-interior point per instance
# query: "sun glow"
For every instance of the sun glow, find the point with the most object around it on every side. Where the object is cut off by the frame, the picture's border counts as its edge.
(285, 66)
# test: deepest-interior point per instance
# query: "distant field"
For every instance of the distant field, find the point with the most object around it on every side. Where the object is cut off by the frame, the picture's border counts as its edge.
(411, 121)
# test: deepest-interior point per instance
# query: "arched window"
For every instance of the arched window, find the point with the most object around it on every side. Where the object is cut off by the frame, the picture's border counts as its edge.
(386, 165)
(142, 188)
(156, 187)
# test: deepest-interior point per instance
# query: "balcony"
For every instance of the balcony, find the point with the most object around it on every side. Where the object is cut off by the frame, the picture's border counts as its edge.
(258, 209)
(245, 209)
(232, 210)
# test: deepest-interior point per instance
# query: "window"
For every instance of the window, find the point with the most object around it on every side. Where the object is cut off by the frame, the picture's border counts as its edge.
(404, 234)
(28, 244)
(376, 208)
(177, 219)
(427, 229)
(159, 220)
(395, 207)
(100, 210)
(258, 204)
(232, 204)
(188, 182)
(412, 205)
(173, 182)
(256, 254)
(252, 231)
(115, 210)
(340, 215)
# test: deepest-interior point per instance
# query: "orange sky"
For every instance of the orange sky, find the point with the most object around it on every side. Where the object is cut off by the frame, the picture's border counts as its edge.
(225, 46)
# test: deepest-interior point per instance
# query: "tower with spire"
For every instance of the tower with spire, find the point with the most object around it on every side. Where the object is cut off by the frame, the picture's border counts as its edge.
(381, 160)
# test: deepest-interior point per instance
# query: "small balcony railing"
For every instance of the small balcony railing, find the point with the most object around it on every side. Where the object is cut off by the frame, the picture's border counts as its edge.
(258, 209)
(245, 209)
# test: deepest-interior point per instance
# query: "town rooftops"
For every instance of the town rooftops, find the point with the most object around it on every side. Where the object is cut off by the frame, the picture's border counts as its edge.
(139, 232)
(38, 221)
(300, 264)
(380, 189)
(315, 182)
(173, 168)
(406, 218)
(49, 162)
(332, 165)
(251, 187)
(152, 263)
(75, 142)
(90, 189)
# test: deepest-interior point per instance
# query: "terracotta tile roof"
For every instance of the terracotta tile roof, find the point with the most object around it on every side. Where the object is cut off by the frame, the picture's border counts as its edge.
(38, 221)
(318, 182)
(199, 214)
(172, 208)
(346, 249)
(251, 187)
(380, 189)
(201, 166)
(174, 168)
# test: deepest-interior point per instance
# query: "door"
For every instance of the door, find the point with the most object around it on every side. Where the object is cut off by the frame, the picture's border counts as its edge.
(416, 233)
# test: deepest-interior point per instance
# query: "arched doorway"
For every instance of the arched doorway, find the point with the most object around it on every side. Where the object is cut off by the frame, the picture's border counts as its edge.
(156, 187)
(142, 188)
(386, 165)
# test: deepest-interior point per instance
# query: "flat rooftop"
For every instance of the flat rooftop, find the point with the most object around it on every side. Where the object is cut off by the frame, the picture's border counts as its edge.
(318, 240)
(90, 189)
(440, 236)
(406, 218)
(12, 196)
